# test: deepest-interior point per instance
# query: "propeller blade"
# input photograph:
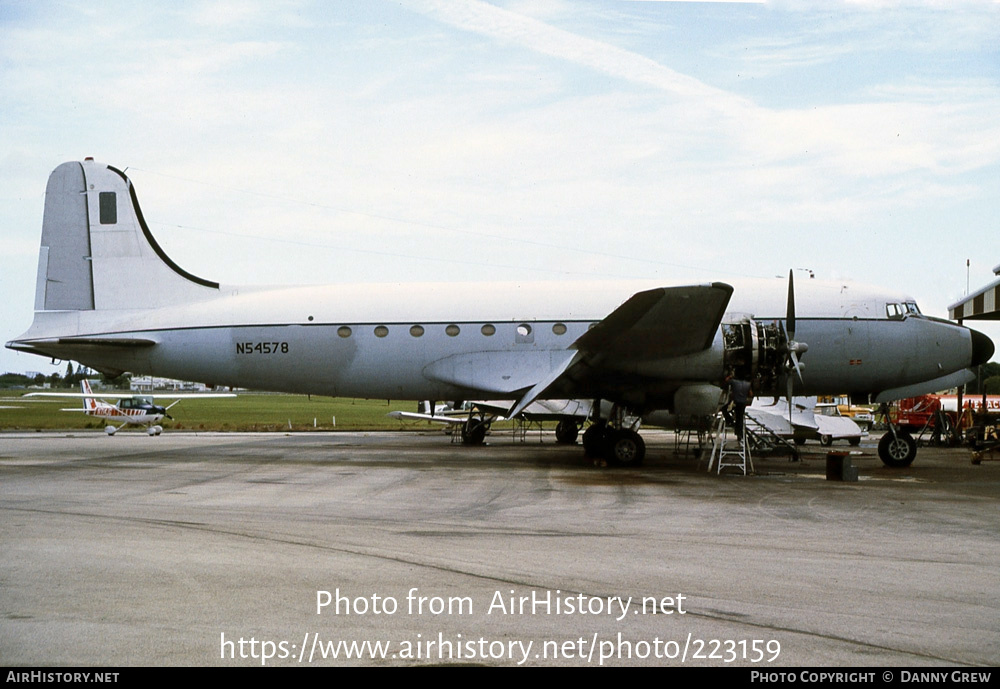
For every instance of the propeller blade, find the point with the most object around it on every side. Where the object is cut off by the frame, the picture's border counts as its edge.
(790, 312)
(789, 390)
(795, 364)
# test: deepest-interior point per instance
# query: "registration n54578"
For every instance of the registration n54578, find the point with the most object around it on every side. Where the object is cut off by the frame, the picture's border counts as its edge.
(262, 348)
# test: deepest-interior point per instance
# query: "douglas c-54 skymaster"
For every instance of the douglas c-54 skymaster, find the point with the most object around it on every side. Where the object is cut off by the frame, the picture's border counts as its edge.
(109, 297)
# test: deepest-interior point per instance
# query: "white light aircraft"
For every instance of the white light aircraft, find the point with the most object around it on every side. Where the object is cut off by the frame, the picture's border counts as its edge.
(476, 417)
(130, 410)
(805, 420)
(644, 347)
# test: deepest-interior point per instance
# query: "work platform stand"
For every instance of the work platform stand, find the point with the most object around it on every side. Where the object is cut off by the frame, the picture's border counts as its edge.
(728, 450)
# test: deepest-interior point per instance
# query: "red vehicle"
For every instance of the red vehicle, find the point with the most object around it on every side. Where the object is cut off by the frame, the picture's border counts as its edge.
(916, 413)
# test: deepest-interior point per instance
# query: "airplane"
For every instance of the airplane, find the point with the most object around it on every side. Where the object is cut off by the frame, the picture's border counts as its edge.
(805, 420)
(643, 346)
(475, 418)
(131, 410)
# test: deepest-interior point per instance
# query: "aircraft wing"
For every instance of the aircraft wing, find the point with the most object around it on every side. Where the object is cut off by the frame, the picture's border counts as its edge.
(659, 323)
(129, 395)
(435, 418)
(541, 410)
(772, 421)
(803, 417)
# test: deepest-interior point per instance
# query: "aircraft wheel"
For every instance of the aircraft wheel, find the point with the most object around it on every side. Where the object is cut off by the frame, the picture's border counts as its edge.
(593, 439)
(158, 430)
(110, 430)
(566, 432)
(474, 431)
(897, 451)
(855, 441)
(624, 448)
(800, 441)
(826, 440)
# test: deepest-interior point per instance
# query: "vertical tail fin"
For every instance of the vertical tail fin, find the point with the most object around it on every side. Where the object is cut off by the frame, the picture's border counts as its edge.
(89, 403)
(98, 253)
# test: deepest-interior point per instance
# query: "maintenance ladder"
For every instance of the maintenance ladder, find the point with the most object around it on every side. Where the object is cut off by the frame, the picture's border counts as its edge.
(729, 451)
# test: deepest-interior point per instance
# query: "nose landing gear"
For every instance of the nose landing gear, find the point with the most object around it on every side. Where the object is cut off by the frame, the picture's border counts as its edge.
(897, 448)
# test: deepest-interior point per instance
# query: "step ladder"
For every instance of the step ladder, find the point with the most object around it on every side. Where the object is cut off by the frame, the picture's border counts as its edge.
(728, 450)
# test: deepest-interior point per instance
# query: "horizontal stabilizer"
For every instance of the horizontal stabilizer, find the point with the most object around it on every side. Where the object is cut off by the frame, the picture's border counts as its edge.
(72, 347)
(106, 341)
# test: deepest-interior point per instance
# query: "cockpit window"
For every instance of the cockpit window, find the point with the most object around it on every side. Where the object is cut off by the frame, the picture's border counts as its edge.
(898, 311)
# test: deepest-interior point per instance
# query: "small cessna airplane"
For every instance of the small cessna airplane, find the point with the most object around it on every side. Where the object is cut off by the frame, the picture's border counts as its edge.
(805, 420)
(643, 347)
(131, 410)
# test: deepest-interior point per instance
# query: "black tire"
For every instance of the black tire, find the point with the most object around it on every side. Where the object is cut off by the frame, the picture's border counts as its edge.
(897, 451)
(593, 439)
(826, 440)
(855, 441)
(567, 431)
(624, 448)
(474, 431)
(800, 441)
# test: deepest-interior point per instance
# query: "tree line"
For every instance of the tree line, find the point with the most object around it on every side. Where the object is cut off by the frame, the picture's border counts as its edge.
(71, 379)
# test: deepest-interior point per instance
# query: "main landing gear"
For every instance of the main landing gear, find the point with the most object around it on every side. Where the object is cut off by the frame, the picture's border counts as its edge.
(615, 441)
(476, 427)
(567, 431)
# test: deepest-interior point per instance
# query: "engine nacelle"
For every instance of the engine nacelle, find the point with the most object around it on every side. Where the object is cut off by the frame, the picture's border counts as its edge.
(756, 351)
(701, 399)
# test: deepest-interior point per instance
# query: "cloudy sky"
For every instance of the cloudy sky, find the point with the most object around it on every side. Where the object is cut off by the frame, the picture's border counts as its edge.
(307, 141)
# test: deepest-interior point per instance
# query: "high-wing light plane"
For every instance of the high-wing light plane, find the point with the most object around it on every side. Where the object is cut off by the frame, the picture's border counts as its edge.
(642, 346)
(805, 419)
(130, 410)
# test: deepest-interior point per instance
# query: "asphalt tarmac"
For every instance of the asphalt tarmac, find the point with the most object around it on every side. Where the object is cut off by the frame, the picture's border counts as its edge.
(403, 549)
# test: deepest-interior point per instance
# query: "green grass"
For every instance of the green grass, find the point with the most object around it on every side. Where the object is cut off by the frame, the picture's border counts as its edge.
(247, 412)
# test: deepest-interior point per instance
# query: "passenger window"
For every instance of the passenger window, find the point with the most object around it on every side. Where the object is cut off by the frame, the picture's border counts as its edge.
(488, 330)
(344, 331)
(559, 328)
(417, 330)
(523, 334)
(453, 330)
(381, 331)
